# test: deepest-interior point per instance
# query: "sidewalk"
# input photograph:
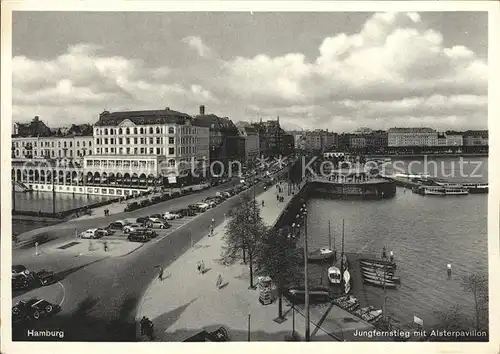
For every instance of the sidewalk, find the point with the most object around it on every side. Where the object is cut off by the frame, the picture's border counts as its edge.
(119, 206)
(186, 302)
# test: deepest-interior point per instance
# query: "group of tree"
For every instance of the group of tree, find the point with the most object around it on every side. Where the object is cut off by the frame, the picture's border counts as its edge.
(455, 318)
(267, 249)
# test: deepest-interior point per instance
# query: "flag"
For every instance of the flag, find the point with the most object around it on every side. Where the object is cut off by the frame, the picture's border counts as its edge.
(418, 320)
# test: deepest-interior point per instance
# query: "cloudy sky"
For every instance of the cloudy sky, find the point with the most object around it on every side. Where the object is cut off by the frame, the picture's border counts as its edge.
(338, 71)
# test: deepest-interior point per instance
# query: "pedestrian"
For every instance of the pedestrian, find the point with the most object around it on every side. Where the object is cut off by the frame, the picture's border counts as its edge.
(143, 325)
(198, 265)
(218, 283)
(105, 244)
(384, 255)
(202, 267)
(160, 276)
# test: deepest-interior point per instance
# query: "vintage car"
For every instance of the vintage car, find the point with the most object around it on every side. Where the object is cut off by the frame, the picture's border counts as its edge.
(20, 269)
(155, 223)
(44, 277)
(138, 237)
(133, 228)
(20, 281)
(170, 215)
(33, 309)
(90, 233)
(118, 225)
(185, 212)
(132, 206)
(219, 335)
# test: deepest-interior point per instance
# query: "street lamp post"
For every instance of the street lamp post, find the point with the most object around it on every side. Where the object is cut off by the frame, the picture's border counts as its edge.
(306, 277)
(53, 193)
(248, 334)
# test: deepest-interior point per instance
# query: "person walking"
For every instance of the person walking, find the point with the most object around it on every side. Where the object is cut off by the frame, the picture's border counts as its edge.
(105, 244)
(202, 267)
(218, 283)
(160, 275)
(143, 325)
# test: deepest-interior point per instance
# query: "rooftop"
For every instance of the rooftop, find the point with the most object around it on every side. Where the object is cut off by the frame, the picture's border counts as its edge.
(165, 116)
(411, 130)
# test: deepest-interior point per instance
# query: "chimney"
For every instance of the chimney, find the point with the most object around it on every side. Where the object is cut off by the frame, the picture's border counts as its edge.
(202, 110)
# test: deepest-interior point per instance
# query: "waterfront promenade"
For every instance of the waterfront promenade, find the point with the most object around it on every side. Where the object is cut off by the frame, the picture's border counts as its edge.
(186, 302)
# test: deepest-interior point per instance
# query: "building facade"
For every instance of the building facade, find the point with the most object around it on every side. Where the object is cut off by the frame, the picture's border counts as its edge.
(475, 138)
(252, 144)
(412, 137)
(225, 143)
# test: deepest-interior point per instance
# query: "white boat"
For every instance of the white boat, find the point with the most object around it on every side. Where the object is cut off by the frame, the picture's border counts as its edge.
(456, 191)
(433, 190)
(334, 275)
(368, 314)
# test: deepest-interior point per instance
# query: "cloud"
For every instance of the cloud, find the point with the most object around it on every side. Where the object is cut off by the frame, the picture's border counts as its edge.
(197, 44)
(393, 71)
(392, 64)
(82, 77)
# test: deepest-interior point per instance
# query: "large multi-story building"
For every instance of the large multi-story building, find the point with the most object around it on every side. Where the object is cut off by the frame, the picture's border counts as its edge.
(226, 145)
(129, 152)
(475, 138)
(252, 144)
(270, 137)
(137, 150)
(412, 137)
(367, 138)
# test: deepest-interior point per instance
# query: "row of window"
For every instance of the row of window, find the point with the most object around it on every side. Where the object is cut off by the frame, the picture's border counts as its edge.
(52, 144)
(51, 153)
(147, 151)
(121, 163)
(141, 130)
(143, 141)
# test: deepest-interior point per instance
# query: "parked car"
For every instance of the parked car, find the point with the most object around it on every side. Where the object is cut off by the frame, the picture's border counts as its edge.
(133, 228)
(20, 281)
(186, 212)
(219, 335)
(150, 233)
(34, 309)
(170, 215)
(156, 199)
(91, 234)
(200, 206)
(155, 223)
(118, 225)
(142, 220)
(104, 231)
(132, 206)
(138, 237)
(226, 194)
(211, 202)
(179, 213)
(20, 269)
(44, 277)
(145, 203)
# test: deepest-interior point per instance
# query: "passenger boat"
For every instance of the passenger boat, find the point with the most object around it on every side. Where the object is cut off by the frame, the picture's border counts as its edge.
(381, 276)
(475, 188)
(433, 190)
(369, 314)
(380, 282)
(455, 191)
(334, 275)
(321, 254)
(378, 263)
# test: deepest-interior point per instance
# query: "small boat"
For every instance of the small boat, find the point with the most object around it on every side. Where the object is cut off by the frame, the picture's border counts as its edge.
(334, 275)
(380, 282)
(377, 263)
(350, 303)
(369, 314)
(380, 276)
(321, 254)
(316, 295)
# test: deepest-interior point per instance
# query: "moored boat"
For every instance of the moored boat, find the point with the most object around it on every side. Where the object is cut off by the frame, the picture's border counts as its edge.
(380, 282)
(378, 263)
(320, 254)
(380, 276)
(368, 314)
(334, 275)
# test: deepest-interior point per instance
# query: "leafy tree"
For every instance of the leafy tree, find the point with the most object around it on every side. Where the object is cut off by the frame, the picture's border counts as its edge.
(477, 285)
(244, 232)
(282, 261)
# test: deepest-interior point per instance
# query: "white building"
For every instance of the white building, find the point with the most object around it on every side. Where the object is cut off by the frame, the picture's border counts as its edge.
(53, 147)
(137, 150)
(252, 141)
(412, 137)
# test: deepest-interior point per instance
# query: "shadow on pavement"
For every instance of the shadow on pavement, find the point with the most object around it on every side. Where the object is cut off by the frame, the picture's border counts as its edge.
(164, 321)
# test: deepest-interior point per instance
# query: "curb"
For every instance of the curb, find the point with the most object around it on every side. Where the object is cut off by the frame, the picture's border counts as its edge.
(135, 249)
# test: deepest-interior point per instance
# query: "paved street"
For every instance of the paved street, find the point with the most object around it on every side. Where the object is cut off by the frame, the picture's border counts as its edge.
(101, 293)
